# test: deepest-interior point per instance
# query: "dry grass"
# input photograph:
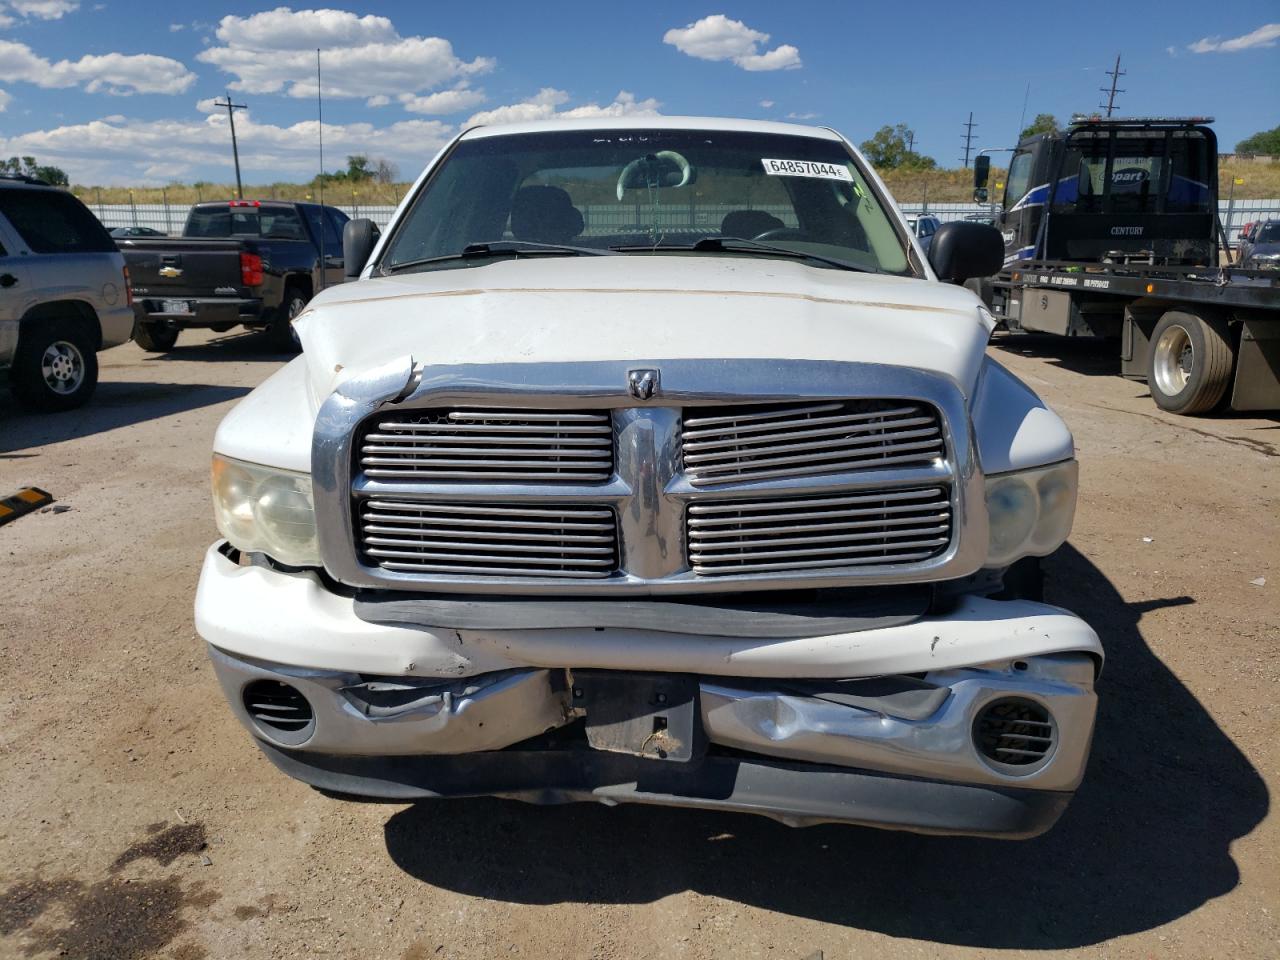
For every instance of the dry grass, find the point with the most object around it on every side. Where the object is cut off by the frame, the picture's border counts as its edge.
(1261, 182)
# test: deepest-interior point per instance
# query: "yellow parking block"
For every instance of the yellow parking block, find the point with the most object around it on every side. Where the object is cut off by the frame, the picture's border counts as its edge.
(24, 501)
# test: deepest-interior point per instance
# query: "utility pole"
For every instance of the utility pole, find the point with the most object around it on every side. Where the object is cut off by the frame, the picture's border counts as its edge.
(968, 139)
(235, 150)
(1115, 73)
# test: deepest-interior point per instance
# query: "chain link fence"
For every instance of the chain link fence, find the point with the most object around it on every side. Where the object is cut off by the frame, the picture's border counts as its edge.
(602, 219)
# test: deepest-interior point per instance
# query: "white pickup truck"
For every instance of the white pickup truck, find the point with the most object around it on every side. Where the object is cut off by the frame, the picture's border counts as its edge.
(650, 460)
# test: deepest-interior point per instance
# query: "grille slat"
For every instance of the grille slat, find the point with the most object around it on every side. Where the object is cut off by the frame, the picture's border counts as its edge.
(575, 541)
(886, 527)
(476, 445)
(756, 442)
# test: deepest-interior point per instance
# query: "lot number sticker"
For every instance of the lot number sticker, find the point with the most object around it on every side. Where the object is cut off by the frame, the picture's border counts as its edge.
(807, 168)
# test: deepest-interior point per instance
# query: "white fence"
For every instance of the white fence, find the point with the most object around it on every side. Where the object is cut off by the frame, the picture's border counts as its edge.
(620, 218)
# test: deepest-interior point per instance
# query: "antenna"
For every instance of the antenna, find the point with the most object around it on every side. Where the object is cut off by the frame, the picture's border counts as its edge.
(235, 150)
(968, 138)
(320, 117)
(1022, 120)
(1115, 73)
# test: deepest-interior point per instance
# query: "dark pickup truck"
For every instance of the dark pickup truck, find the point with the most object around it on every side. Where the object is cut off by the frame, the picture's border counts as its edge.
(250, 262)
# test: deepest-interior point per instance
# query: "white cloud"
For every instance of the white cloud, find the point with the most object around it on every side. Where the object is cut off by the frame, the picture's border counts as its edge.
(767, 104)
(44, 9)
(381, 100)
(208, 105)
(543, 106)
(1265, 36)
(274, 52)
(785, 57)
(5, 100)
(123, 152)
(176, 27)
(116, 73)
(718, 38)
(6, 20)
(802, 116)
(443, 102)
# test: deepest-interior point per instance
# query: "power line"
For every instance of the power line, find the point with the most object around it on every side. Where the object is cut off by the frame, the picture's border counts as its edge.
(1115, 73)
(231, 117)
(968, 138)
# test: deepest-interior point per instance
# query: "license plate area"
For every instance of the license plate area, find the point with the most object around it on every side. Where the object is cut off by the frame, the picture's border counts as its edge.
(175, 306)
(651, 715)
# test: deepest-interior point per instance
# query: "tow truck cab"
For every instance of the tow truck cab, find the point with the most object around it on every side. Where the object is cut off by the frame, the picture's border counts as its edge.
(1116, 191)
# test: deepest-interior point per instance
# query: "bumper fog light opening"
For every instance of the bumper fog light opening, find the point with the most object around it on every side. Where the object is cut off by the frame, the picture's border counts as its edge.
(279, 712)
(1015, 736)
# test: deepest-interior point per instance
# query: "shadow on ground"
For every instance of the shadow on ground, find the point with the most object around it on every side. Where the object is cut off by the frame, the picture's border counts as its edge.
(1147, 839)
(1085, 355)
(241, 345)
(114, 404)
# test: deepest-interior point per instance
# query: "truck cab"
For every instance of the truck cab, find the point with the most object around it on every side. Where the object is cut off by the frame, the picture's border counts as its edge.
(1118, 191)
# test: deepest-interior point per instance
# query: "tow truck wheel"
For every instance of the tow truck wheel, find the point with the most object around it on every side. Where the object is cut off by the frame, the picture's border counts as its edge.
(1189, 368)
(155, 337)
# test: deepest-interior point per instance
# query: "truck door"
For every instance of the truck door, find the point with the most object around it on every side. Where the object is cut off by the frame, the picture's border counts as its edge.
(328, 242)
(1024, 198)
(14, 289)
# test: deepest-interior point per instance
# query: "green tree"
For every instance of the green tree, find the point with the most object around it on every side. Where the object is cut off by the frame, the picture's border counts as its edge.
(27, 167)
(890, 148)
(1265, 142)
(1043, 123)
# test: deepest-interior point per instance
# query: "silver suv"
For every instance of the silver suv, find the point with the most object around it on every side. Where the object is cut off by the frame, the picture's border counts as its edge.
(64, 294)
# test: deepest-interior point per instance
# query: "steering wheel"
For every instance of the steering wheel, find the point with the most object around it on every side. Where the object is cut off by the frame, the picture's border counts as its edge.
(781, 233)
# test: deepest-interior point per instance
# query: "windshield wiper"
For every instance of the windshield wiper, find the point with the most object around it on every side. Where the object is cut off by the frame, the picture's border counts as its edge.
(741, 244)
(494, 248)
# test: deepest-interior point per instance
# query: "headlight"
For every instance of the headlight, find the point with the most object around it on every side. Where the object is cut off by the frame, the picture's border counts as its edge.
(264, 510)
(1030, 512)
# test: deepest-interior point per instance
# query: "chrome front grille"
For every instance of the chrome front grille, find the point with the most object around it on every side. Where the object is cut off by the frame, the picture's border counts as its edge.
(525, 446)
(568, 485)
(766, 441)
(573, 541)
(805, 533)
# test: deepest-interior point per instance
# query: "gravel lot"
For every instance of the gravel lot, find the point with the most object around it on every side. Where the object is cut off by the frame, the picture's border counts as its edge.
(137, 820)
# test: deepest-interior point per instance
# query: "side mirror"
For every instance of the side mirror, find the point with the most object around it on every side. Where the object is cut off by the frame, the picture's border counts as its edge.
(980, 195)
(962, 250)
(358, 240)
(981, 171)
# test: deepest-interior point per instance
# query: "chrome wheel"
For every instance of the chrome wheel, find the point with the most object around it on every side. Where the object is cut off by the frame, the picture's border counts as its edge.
(62, 367)
(1173, 360)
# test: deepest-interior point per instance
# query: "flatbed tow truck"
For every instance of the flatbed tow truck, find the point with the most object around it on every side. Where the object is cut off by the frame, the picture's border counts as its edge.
(1111, 230)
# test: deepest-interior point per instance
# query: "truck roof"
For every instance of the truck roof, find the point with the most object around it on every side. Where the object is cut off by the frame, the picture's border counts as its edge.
(651, 123)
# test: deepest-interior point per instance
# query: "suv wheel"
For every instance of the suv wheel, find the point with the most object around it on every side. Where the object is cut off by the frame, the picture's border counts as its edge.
(55, 366)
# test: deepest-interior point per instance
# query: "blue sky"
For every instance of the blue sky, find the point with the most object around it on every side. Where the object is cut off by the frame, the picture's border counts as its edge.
(118, 92)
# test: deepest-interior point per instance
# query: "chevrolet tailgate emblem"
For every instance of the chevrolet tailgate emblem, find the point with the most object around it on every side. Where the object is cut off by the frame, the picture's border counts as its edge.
(170, 272)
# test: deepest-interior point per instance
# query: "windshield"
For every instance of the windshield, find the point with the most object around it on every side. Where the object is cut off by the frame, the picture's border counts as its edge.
(1268, 233)
(1136, 171)
(278, 223)
(636, 190)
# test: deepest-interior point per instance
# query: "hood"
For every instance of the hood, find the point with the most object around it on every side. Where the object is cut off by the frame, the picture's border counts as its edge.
(643, 308)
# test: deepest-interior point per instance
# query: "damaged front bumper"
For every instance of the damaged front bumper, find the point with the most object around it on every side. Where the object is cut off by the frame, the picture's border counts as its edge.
(995, 746)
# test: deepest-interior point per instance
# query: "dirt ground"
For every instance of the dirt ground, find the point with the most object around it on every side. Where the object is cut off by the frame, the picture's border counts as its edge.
(137, 820)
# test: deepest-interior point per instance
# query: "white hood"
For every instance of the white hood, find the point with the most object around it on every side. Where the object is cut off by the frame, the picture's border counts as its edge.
(557, 310)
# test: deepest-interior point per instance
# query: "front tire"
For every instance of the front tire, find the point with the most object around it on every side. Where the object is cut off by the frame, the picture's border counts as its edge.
(155, 337)
(55, 366)
(280, 333)
(1190, 362)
